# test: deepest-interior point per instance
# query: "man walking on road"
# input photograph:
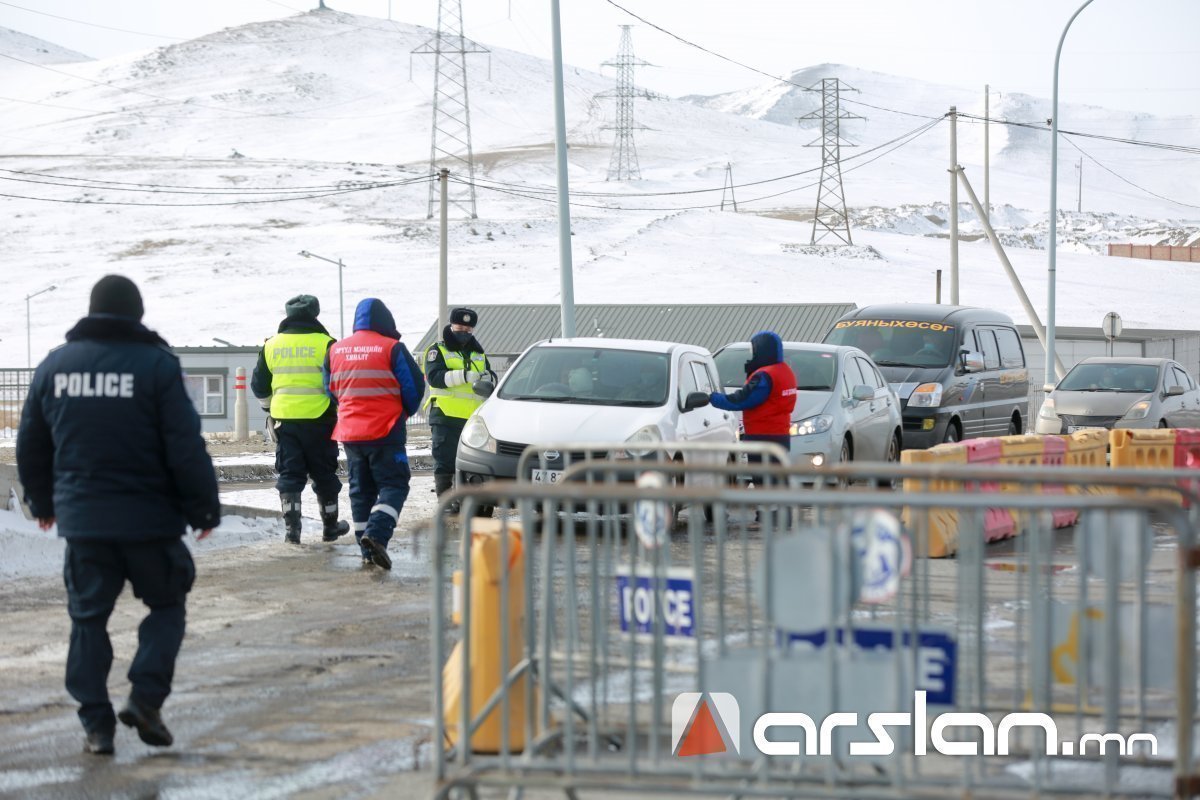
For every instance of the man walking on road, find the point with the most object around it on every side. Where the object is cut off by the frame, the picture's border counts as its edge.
(452, 367)
(377, 386)
(109, 447)
(287, 382)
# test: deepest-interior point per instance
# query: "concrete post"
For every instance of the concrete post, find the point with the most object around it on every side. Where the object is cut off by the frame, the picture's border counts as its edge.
(953, 206)
(241, 416)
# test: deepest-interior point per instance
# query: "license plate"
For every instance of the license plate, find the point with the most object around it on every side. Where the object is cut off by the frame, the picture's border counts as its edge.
(547, 475)
(1075, 428)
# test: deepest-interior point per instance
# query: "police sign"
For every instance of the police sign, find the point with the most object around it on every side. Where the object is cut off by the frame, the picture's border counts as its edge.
(637, 600)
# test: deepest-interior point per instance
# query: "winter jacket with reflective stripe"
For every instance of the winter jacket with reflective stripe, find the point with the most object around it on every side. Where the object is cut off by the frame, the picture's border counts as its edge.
(774, 416)
(455, 401)
(297, 388)
(368, 392)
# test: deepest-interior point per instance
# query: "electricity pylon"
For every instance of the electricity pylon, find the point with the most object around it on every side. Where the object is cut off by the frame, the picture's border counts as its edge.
(623, 166)
(830, 216)
(728, 186)
(451, 140)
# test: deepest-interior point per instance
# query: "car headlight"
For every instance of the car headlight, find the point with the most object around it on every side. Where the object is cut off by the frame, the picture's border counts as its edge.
(475, 434)
(927, 395)
(817, 424)
(1047, 410)
(647, 438)
(1138, 410)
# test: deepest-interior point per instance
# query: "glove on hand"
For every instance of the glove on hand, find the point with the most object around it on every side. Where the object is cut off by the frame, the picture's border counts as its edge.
(455, 378)
(472, 376)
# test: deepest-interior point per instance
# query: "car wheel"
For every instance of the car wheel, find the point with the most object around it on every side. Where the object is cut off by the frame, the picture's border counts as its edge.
(1012, 427)
(845, 457)
(893, 449)
(952, 435)
(1162, 423)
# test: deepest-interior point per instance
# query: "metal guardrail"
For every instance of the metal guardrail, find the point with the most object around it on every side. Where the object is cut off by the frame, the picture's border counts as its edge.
(1095, 629)
(14, 385)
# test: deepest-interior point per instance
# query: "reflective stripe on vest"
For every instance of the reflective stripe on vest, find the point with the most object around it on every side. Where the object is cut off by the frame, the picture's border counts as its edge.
(361, 378)
(297, 389)
(456, 401)
(774, 417)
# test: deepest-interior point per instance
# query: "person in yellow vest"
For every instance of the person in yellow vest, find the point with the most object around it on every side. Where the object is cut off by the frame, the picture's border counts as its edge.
(289, 384)
(452, 367)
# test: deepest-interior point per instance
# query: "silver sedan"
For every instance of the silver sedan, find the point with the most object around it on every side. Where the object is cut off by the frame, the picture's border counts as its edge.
(845, 410)
(1121, 393)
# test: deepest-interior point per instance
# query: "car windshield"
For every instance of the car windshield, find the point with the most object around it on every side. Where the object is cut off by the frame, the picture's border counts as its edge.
(589, 376)
(898, 342)
(815, 370)
(1128, 378)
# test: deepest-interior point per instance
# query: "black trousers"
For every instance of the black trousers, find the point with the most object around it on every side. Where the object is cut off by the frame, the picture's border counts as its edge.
(306, 449)
(445, 433)
(161, 573)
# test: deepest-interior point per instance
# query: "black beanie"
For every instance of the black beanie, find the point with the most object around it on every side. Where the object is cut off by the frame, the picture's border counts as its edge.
(116, 294)
(303, 305)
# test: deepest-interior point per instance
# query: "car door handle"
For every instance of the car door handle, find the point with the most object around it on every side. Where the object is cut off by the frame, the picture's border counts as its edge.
(707, 423)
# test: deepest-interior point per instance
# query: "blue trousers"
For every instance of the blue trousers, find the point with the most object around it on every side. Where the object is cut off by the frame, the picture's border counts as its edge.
(161, 573)
(379, 477)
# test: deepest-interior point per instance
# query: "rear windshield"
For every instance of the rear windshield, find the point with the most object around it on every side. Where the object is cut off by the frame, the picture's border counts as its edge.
(1132, 378)
(898, 342)
(815, 371)
(589, 376)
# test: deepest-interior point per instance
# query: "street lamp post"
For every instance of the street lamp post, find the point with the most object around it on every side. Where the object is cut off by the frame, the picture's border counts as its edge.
(1051, 374)
(28, 324)
(341, 302)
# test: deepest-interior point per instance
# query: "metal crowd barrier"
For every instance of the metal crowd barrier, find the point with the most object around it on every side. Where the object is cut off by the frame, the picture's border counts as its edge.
(800, 599)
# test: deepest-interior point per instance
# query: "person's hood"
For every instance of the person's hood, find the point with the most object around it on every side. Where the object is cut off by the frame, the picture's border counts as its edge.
(371, 314)
(301, 323)
(468, 345)
(766, 348)
(114, 327)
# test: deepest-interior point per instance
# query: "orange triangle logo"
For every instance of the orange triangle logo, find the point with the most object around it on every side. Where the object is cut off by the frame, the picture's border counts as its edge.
(704, 736)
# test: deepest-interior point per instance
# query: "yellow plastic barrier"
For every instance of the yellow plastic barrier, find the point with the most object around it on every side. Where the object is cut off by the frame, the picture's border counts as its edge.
(1148, 449)
(1087, 450)
(942, 539)
(485, 631)
(1021, 450)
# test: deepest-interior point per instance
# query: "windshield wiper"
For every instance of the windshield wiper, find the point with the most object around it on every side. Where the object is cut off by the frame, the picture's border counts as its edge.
(814, 388)
(536, 398)
(899, 364)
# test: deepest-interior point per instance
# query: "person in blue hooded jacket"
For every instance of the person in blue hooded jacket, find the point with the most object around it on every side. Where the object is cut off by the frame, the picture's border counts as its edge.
(769, 395)
(109, 447)
(377, 386)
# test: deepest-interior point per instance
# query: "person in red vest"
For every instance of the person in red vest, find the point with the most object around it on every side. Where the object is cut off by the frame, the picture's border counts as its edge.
(377, 386)
(768, 397)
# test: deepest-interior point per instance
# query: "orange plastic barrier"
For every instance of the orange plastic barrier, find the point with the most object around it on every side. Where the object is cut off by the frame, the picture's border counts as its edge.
(1144, 449)
(942, 539)
(998, 523)
(1055, 455)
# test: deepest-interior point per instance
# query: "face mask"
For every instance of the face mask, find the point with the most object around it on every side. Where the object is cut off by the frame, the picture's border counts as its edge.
(458, 339)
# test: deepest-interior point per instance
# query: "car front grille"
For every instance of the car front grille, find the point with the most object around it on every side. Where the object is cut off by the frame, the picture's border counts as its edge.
(1087, 422)
(516, 448)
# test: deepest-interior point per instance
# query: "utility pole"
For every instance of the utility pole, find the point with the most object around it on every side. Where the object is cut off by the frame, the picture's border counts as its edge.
(623, 166)
(987, 153)
(728, 186)
(566, 275)
(451, 139)
(831, 199)
(953, 206)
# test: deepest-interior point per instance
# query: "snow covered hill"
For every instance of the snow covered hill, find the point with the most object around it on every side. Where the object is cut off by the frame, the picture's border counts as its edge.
(202, 168)
(30, 48)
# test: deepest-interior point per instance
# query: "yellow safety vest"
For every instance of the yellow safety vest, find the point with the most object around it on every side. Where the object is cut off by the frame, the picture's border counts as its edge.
(457, 401)
(295, 361)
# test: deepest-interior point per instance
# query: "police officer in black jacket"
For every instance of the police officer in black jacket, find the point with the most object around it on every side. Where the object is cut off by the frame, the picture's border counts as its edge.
(109, 447)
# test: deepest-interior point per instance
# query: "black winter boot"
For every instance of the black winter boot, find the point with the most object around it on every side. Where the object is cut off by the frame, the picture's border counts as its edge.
(443, 483)
(290, 502)
(329, 516)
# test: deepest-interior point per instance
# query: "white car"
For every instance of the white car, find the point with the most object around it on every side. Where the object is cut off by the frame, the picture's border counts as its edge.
(635, 392)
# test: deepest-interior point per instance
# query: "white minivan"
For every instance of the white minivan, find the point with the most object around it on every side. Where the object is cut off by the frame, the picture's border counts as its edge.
(634, 392)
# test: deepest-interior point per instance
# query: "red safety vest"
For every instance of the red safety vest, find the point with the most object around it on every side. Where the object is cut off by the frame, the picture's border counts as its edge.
(368, 394)
(774, 417)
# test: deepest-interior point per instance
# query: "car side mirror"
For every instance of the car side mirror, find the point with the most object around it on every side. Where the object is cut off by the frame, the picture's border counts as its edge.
(1173, 391)
(862, 393)
(971, 361)
(695, 400)
(484, 387)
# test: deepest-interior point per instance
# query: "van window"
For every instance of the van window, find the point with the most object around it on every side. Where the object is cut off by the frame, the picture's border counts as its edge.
(688, 381)
(898, 342)
(589, 375)
(987, 346)
(703, 379)
(1012, 356)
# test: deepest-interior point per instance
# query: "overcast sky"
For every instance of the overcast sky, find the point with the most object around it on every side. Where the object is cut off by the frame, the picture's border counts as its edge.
(1141, 56)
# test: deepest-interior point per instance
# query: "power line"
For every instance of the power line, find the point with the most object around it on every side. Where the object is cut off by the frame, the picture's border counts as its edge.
(204, 189)
(1122, 178)
(1041, 126)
